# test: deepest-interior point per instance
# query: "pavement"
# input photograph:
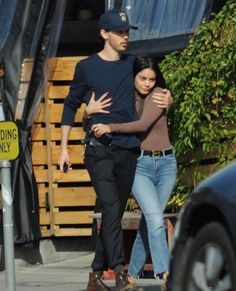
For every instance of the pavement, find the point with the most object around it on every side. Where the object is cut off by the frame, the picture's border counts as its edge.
(66, 275)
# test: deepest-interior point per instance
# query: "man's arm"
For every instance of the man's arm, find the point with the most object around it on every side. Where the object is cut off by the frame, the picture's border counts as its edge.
(73, 101)
(64, 154)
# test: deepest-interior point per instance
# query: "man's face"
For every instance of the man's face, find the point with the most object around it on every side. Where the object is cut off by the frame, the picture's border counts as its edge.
(118, 40)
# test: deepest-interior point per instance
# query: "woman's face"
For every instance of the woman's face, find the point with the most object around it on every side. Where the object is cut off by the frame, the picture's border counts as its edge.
(145, 81)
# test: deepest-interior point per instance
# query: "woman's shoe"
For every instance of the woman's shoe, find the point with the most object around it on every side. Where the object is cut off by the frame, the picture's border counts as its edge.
(164, 277)
(125, 283)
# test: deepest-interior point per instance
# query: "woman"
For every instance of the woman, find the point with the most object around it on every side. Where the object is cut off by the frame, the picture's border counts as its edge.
(155, 172)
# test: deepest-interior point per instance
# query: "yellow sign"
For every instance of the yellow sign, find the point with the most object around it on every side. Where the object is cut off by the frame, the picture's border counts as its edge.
(9, 140)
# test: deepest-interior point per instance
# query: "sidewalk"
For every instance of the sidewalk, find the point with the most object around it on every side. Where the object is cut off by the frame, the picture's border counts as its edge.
(68, 275)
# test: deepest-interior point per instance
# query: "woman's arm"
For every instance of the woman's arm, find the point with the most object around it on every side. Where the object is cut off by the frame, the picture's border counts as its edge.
(97, 106)
(163, 98)
(149, 116)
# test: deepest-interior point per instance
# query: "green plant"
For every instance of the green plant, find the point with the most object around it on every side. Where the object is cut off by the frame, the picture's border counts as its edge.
(132, 205)
(202, 79)
(178, 198)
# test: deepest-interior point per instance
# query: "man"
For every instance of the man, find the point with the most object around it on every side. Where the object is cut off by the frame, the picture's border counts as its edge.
(110, 161)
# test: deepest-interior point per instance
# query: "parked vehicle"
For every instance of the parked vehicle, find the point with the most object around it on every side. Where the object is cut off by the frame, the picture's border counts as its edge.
(204, 252)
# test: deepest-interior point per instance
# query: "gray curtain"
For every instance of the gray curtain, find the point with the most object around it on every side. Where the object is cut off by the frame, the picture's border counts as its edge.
(163, 26)
(30, 39)
(162, 18)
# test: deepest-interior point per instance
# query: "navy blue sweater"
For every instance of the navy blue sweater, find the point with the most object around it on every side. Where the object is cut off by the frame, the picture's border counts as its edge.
(100, 76)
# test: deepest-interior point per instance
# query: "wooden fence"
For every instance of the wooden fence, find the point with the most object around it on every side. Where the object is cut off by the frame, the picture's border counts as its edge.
(66, 199)
(205, 164)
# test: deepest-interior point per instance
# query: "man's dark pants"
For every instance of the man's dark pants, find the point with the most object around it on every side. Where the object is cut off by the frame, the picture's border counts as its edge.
(111, 170)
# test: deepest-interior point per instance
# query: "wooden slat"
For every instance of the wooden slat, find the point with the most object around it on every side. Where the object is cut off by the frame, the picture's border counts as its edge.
(41, 175)
(75, 151)
(39, 134)
(42, 196)
(80, 175)
(68, 196)
(44, 218)
(52, 63)
(57, 92)
(67, 217)
(73, 217)
(64, 70)
(71, 176)
(45, 232)
(73, 232)
(39, 154)
(56, 113)
(74, 196)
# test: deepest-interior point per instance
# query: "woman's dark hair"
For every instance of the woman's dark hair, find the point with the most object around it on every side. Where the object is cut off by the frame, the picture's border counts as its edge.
(145, 62)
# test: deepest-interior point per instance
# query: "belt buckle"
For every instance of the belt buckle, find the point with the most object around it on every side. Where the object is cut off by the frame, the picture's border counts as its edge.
(155, 153)
(93, 142)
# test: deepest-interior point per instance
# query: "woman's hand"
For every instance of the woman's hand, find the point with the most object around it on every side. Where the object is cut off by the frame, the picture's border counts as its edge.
(99, 129)
(163, 98)
(97, 106)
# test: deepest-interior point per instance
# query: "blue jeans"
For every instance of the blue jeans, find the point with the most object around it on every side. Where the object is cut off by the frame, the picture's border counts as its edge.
(154, 181)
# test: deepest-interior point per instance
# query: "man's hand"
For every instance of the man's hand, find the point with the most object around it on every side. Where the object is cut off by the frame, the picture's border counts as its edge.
(162, 99)
(97, 106)
(64, 154)
(64, 159)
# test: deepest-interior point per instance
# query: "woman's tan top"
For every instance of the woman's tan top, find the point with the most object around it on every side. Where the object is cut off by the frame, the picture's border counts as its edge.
(152, 124)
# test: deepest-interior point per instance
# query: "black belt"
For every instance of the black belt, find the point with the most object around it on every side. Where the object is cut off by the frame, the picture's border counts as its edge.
(155, 153)
(95, 142)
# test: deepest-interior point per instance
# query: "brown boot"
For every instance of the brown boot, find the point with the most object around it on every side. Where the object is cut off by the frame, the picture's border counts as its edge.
(123, 284)
(95, 282)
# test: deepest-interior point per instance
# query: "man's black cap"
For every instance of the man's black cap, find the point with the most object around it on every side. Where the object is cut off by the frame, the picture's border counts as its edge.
(115, 20)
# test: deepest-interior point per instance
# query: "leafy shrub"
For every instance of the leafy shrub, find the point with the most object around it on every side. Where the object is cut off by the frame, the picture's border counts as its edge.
(202, 79)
